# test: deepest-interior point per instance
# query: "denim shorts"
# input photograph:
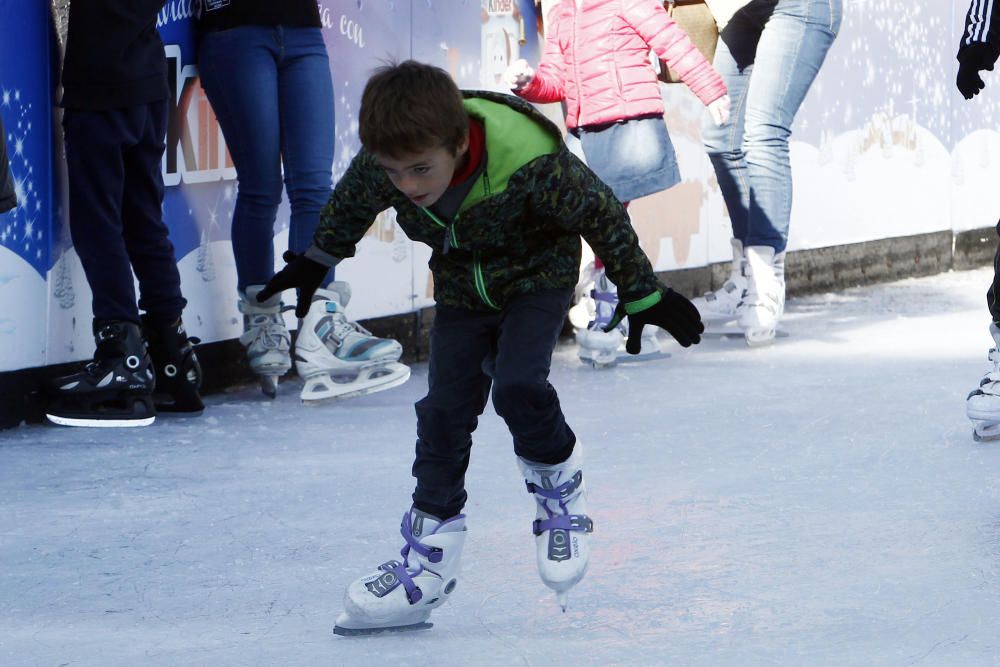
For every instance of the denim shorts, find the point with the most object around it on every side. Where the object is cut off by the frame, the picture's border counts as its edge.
(635, 158)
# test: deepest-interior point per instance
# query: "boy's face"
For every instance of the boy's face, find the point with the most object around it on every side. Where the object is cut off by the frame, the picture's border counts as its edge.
(423, 176)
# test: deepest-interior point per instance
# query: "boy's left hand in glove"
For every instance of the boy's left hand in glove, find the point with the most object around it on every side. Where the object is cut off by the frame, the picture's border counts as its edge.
(664, 308)
(300, 272)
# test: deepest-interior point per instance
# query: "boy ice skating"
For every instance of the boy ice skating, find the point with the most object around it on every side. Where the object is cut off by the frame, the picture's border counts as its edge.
(978, 51)
(486, 181)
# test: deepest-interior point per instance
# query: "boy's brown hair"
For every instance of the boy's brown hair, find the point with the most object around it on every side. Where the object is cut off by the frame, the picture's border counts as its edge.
(409, 108)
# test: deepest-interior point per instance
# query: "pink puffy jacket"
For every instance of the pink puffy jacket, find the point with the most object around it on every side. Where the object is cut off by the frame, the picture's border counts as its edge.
(597, 59)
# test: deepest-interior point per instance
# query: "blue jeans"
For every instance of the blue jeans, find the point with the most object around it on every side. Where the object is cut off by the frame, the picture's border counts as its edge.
(272, 92)
(769, 54)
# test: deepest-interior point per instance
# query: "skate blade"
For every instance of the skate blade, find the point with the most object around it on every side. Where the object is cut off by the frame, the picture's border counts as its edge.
(734, 331)
(563, 600)
(99, 423)
(269, 385)
(350, 627)
(757, 338)
(624, 357)
(986, 432)
(599, 362)
(321, 388)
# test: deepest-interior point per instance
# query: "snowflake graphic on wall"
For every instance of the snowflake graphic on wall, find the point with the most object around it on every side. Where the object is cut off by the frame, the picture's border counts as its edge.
(23, 230)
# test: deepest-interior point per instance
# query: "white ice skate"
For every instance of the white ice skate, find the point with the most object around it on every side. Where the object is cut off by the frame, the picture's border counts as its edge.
(400, 595)
(602, 348)
(983, 405)
(764, 302)
(266, 338)
(720, 306)
(583, 309)
(561, 527)
(337, 358)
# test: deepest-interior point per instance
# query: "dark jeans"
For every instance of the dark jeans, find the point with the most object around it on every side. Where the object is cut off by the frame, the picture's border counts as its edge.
(470, 351)
(994, 292)
(273, 95)
(116, 222)
(8, 198)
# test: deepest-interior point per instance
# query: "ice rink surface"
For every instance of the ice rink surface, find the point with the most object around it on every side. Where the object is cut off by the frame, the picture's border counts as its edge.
(817, 502)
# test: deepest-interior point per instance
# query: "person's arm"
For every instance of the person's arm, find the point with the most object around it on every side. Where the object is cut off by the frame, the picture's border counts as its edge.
(651, 21)
(547, 83)
(569, 194)
(362, 193)
(979, 47)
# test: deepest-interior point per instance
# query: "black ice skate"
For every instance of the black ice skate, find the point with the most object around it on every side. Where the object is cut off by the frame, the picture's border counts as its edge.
(115, 389)
(178, 373)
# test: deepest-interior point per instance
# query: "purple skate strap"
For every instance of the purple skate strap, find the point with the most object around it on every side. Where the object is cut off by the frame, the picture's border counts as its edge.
(576, 522)
(413, 592)
(606, 297)
(433, 554)
(561, 492)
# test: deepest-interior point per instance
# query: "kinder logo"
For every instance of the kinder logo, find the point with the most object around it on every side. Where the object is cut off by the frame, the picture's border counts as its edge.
(501, 6)
(196, 150)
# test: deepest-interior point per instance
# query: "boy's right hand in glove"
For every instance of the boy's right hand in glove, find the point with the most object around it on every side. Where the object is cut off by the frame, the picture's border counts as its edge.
(664, 308)
(300, 272)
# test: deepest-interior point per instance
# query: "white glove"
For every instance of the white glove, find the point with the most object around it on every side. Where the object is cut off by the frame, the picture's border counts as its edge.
(518, 74)
(720, 110)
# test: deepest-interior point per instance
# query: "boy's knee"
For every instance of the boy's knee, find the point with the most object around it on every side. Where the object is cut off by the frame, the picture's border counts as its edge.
(514, 393)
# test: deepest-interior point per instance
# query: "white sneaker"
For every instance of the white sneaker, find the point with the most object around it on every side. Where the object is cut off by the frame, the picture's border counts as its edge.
(983, 404)
(764, 303)
(720, 305)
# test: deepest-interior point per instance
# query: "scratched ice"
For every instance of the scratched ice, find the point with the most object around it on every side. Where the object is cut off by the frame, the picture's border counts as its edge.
(819, 502)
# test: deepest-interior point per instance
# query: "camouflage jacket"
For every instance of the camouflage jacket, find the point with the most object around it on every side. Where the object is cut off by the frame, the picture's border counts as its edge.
(518, 229)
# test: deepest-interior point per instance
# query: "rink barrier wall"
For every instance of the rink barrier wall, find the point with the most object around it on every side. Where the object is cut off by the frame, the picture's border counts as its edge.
(807, 272)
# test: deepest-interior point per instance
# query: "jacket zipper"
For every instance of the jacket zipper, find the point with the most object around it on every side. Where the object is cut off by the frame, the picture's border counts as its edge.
(451, 241)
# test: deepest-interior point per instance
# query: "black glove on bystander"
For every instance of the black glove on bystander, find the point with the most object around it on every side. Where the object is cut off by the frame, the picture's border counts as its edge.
(301, 273)
(969, 82)
(666, 309)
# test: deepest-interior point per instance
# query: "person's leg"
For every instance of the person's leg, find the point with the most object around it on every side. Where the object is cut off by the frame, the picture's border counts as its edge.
(305, 97)
(791, 50)
(993, 294)
(178, 372)
(460, 342)
(982, 405)
(724, 143)
(522, 394)
(146, 236)
(94, 144)
(239, 73)
(548, 455)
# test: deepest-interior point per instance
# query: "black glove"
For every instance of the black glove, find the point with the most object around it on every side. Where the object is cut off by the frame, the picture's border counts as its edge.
(666, 309)
(969, 82)
(300, 272)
